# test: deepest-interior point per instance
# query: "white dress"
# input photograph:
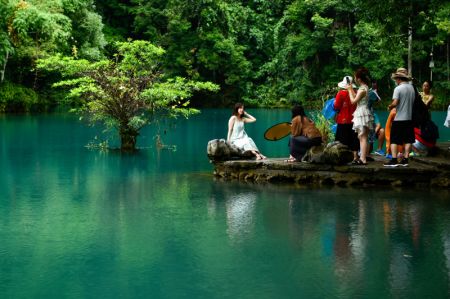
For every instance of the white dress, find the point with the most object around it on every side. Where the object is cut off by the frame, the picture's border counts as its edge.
(362, 117)
(240, 138)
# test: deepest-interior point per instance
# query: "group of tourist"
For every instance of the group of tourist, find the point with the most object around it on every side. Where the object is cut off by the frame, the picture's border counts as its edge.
(358, 126)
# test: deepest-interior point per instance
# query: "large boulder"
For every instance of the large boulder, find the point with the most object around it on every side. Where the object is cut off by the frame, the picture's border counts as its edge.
(221, 150)
(334, 153)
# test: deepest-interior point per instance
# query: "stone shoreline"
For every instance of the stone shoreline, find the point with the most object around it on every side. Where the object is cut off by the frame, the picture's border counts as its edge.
(422, 171)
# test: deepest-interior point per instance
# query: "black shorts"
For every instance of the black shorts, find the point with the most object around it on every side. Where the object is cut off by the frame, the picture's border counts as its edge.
(346, 135)
(402, 131)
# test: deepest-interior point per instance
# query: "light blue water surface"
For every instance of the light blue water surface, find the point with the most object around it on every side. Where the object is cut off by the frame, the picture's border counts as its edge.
(79, 223)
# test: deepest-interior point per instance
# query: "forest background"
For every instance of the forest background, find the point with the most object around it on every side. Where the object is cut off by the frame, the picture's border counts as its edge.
(265, 53)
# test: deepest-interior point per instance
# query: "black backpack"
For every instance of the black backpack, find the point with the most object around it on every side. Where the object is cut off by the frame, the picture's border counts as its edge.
(420, 113)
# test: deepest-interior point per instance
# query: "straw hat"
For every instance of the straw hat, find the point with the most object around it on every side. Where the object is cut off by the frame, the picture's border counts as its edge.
(401, 73)
(345, 81)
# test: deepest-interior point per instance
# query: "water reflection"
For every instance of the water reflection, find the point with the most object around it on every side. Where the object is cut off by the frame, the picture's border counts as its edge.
(357, 242)
(240, 218)
(78, 223)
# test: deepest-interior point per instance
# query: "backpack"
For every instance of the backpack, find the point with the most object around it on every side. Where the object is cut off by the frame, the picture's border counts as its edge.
(419, 111)
(328, 109)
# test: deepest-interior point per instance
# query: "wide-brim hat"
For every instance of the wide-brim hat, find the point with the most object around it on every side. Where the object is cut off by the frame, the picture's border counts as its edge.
(345, 81)
(401, 73)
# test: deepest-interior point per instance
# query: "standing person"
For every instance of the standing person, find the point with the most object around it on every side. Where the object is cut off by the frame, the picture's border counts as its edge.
(362, 117)
(344, 117)
(389, 121)
(427, 96)
(304, 134)
(447, 120)
(236, 132)
(402, 130)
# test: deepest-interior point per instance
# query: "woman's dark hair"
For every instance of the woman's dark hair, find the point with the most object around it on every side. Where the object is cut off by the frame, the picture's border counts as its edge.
(236, 108)
(298, 110)
(363, 74)
(374, 85)
(429, 83)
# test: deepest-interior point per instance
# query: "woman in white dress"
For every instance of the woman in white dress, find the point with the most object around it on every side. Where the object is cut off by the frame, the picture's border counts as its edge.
(236, 132)
(362, 117)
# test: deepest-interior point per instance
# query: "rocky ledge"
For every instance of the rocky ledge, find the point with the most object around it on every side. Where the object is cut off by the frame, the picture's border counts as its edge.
(426, 171)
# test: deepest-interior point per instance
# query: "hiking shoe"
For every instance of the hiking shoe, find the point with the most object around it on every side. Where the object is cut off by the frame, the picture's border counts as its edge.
(388, 156)
(379, 152)
(403, 162)
(392, 163)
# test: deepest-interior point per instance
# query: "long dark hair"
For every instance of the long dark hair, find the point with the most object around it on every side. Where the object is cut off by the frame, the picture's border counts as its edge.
(363, 74)
(298, 110)
(236, 108)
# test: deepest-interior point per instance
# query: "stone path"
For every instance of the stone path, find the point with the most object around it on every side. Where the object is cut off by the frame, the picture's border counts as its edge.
(422, 171)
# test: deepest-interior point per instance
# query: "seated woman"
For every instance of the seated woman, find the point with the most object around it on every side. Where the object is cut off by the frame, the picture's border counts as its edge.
(422, 146)
(304, 134)
(236, 132)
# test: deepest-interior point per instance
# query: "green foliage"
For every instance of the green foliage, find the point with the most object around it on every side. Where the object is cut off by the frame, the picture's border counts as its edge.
(128, 92)
(324, 125)
(16, 98)
(263, 52)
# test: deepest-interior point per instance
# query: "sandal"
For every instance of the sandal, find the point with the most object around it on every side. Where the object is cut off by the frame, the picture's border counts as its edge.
(358, 162)
(290, 160)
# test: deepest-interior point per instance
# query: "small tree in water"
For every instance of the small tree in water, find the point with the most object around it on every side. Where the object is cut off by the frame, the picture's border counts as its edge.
(128, 92)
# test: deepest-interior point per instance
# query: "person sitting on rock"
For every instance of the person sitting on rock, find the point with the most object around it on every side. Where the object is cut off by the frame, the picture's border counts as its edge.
(304, 134)
(236, 132)
(422, 145)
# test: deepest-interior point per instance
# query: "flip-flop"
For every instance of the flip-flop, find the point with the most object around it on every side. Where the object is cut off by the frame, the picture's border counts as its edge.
(358, 162)
(354, 162)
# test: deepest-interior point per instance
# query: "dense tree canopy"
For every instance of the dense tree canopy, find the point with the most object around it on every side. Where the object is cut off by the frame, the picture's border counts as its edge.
(264, 52)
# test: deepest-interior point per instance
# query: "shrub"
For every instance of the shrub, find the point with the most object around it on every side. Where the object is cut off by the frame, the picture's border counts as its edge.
(16, 98)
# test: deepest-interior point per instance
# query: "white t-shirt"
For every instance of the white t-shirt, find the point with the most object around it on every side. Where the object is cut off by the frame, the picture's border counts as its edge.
(405, 95)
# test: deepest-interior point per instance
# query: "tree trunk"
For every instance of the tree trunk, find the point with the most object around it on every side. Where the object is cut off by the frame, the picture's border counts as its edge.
(128, 138)
(410, 40)
(2, 75)
(448, 64)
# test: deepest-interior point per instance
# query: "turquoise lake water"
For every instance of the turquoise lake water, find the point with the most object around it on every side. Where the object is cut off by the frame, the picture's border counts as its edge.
(80, 223)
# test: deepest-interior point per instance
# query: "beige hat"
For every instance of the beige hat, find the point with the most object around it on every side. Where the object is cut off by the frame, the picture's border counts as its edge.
(346, 81)
(401, 72)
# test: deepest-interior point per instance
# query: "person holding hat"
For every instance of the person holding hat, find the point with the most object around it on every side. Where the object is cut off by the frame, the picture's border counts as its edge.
(344, 117)
(362, 117)
(402, 130)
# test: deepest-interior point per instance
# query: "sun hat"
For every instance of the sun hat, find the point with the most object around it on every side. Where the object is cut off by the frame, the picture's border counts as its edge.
(345, 81)
(401, 72)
